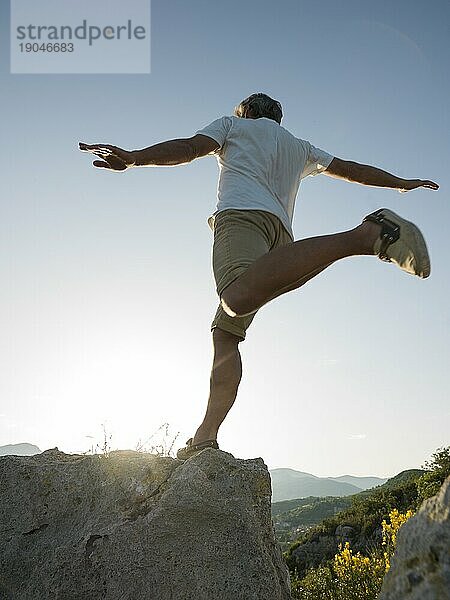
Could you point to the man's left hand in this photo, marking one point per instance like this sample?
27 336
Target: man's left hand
412 184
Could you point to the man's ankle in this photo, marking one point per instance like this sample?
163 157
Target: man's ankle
368 233
201 435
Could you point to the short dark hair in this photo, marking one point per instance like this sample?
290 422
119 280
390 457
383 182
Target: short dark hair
260 105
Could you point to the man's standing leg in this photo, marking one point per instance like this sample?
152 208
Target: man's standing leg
240 237
226 374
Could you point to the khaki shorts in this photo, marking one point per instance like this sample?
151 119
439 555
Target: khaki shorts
240 237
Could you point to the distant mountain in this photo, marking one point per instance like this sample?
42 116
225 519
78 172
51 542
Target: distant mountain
365 483
19 450
289 484
398 480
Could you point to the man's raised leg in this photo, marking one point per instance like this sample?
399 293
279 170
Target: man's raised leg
224 382
288 267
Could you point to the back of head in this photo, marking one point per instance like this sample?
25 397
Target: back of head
259 105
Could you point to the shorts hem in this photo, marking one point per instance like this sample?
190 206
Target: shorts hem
228 327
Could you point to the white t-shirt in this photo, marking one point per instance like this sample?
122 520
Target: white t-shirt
261 165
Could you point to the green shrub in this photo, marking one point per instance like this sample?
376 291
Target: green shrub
438 469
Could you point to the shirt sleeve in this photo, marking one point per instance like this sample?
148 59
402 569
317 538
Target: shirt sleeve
217 130
316 162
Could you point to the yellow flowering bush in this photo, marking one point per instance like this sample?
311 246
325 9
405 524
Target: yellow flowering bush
358 577
353 576
390 531
346 564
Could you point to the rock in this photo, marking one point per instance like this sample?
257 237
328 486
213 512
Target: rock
420 568
313 552
134 526
344 533
321 544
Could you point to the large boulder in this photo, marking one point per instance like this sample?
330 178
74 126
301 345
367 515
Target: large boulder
134 526
420 568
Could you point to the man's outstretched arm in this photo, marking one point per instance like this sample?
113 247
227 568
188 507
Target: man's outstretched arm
367 175
165 154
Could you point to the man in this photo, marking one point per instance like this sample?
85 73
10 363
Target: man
255 258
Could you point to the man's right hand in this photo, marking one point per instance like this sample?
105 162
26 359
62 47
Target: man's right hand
114 158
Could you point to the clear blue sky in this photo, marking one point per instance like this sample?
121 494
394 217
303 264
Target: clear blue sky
107 291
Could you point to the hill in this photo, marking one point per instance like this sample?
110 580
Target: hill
359 522
291 518
364 483
289 484
19 450
294 518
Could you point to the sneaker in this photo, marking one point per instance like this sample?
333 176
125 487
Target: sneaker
192 449
400 242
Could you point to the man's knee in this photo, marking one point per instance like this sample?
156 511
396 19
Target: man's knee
235 302
229 305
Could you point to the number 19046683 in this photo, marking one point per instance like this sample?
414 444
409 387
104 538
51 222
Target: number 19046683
48 47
